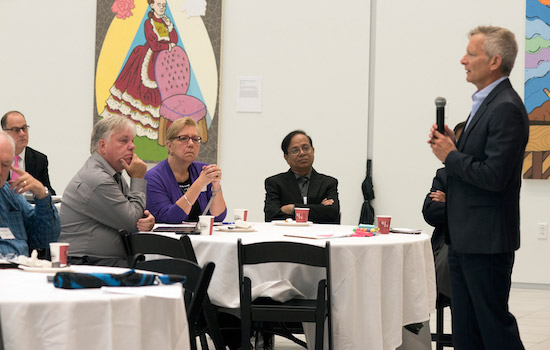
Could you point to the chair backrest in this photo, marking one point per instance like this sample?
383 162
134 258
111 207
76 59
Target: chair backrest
172 72
137 244
188 250
266 310
284 251
209 312
196 283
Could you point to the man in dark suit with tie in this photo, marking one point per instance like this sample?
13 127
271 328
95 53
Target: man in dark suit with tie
32 161
301 186
483 186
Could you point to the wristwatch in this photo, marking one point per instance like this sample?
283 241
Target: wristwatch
46 190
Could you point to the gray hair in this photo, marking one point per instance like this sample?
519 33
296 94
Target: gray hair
499 41
106 126
5 135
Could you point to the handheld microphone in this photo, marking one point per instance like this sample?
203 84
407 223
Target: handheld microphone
440 114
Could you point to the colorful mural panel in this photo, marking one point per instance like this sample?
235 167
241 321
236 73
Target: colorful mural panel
157 61
536 164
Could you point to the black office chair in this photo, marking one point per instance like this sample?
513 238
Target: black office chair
294 310
440 338
196 286
136 245
228 327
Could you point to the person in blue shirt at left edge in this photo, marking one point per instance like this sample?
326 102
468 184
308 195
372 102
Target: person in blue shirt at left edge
23 227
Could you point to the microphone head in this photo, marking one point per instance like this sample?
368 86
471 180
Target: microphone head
440 101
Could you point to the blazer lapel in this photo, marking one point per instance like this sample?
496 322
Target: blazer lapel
292 186
481 111
30 161
314 184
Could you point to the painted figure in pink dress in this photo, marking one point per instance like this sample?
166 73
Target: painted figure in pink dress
135 93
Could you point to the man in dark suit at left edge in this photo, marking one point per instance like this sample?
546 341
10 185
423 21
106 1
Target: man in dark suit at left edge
31 161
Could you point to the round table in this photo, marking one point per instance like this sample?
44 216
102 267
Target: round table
379 284
36 315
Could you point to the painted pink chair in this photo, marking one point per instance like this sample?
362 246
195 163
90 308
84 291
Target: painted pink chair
172 73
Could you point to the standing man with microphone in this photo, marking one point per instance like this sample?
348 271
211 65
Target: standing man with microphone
483 185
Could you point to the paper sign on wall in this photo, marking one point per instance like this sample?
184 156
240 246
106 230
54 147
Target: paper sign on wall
249 94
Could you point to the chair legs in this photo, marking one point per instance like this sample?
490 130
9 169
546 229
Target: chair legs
213 326
1 339
439 337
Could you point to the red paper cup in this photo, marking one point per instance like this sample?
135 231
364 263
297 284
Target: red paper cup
240 214
59 252
206 223
301 214
384 223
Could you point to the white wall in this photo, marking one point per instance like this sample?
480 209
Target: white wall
313 57
47 72
418 49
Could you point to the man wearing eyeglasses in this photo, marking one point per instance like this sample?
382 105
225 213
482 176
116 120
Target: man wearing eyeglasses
98 202
301 186
26 158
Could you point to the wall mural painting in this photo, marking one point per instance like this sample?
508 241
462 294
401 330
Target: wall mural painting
536 163
158 61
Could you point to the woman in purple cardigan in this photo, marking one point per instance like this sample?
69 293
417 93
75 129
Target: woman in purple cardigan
179 188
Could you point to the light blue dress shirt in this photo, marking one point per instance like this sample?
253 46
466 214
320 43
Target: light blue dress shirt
479 96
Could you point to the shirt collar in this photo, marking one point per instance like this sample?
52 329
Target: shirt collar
480 95
22 156
108 168
308 175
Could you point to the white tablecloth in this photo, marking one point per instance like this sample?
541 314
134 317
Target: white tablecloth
36 315
379 283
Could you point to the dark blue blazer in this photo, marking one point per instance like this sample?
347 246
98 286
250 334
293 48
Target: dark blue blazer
435 214
484 176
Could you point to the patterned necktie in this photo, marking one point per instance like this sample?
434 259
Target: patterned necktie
16 159
118 181
303 182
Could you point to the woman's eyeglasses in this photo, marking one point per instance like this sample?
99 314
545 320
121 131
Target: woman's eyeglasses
184 139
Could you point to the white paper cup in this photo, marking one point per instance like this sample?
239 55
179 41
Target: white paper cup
240 214
206 223
301 214
384 223
59 252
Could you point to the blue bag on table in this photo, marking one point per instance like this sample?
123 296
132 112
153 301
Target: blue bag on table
76 280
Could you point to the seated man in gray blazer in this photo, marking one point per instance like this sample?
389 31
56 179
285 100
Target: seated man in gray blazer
98 201
301 186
